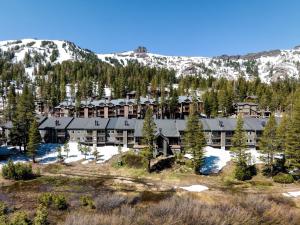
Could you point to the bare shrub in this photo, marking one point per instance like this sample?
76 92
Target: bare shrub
107 203
236 209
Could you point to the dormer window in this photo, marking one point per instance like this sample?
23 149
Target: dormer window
126 123
57 123
221 124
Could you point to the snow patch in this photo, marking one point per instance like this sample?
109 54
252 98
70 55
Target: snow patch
292 194
47 154
215 158
195 188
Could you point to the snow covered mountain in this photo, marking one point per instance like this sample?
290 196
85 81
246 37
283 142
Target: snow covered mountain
31 52
269 65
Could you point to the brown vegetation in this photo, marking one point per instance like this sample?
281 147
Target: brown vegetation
248 209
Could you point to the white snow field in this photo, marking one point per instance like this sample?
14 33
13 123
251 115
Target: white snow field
215 159
282 62
292 194
195 188
47 154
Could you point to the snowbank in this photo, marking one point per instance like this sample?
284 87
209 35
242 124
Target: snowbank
255 156
292 194
105 153
47 153
195 188
215 158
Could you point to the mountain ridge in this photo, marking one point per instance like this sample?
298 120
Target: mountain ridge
267 65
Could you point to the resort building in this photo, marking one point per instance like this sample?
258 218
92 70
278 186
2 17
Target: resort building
129 132
128 108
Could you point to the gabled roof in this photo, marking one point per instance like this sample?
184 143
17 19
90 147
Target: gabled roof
181 125
40 119
119 101
121 123
88 124
7 125
56 122
168 128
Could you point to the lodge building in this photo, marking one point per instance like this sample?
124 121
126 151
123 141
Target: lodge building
123 131
128 108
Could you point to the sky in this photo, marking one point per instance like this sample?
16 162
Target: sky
170 27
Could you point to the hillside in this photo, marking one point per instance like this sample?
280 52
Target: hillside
269 65
32 52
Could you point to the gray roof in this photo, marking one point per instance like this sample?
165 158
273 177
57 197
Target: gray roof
40 119
180 124
56 122
229 124
8 125
168 128
88 124
120 101
121 123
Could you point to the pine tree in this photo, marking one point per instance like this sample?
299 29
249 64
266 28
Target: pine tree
268 143
95 153
293 137
194 140
239 142
67 148
85 150
281 141
281 135
149 128
34 140
173 103
41 216
24 115
59 154
10 109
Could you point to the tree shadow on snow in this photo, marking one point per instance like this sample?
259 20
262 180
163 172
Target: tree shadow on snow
210 165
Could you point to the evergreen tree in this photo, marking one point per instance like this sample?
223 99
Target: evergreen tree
59 154
194 140
293 137
85 150
95 153
239 142
67 148
41 216
24 115
10 109
34 140
268 143
100 90
173 103
281 134
149 128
